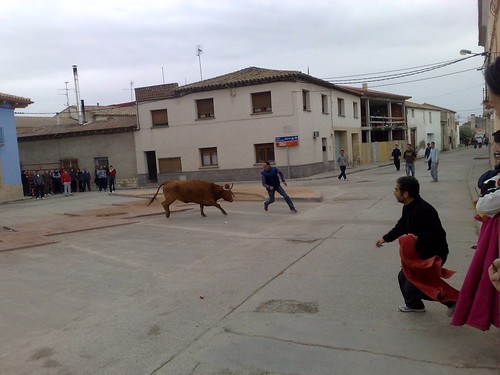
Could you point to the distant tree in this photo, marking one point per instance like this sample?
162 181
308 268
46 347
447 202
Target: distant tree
465 133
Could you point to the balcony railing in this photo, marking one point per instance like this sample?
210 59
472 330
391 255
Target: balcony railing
384 121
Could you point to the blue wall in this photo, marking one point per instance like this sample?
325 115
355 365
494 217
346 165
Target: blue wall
9 151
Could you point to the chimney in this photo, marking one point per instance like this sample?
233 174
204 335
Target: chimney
365 86
77 90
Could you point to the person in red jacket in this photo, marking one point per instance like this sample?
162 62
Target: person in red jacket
111 179
66 181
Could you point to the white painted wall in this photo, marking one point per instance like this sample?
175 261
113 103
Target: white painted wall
428 126
235 129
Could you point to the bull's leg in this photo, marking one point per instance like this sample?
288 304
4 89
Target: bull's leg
220 208
166 205
201 210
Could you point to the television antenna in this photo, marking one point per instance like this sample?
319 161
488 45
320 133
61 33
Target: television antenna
66 93
131 90
199 51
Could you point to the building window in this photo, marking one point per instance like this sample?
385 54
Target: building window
205 108
341 106
159 117
355 109
430 117
306 100
209 156
264 152
170 165
324 103
261 102
97 162
413 113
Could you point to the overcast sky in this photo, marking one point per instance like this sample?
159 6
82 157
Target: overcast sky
116 42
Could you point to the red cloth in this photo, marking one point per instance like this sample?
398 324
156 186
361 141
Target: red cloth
478 303
426 274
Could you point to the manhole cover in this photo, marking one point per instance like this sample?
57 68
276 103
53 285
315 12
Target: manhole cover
112 214
288 307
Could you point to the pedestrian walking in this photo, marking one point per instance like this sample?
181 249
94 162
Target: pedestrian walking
396 155
423 250
409 156
341 161
427 154
271 181
434 156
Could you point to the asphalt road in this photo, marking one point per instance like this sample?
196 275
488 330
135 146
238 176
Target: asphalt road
251 293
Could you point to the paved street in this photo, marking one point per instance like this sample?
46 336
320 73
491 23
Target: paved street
283 294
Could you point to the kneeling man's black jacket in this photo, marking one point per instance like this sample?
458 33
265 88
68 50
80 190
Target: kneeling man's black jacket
422 220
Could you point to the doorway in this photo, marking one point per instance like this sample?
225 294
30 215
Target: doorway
151 164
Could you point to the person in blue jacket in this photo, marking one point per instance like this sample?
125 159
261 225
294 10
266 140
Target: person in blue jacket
271 181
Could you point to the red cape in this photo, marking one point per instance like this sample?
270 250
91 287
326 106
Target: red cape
426 274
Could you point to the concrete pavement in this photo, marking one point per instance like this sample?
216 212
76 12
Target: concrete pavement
284 293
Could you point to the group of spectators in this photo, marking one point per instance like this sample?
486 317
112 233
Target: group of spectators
41 183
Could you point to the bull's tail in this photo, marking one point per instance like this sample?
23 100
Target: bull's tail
154 197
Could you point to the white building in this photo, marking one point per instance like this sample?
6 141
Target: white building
424 126
222 129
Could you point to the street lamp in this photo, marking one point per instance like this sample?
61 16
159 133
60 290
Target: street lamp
469 52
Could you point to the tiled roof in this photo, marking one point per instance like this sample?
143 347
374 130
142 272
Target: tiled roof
116 125
428 107
155 92
32 121
254 76
439 108
125 109
376 94
16 101
421 106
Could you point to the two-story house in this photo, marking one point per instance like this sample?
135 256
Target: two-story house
10 172
424 122
224 128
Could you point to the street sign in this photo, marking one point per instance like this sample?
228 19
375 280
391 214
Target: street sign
292 140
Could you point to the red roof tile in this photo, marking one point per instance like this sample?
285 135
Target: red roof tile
16 101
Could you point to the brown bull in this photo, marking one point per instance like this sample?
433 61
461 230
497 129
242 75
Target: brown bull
197 191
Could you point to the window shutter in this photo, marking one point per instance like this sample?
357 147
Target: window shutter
160 117
261 101
205 108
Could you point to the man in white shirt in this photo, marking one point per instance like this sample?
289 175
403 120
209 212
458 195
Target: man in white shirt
434 158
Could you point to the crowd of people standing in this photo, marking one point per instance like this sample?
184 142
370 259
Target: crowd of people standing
41 183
